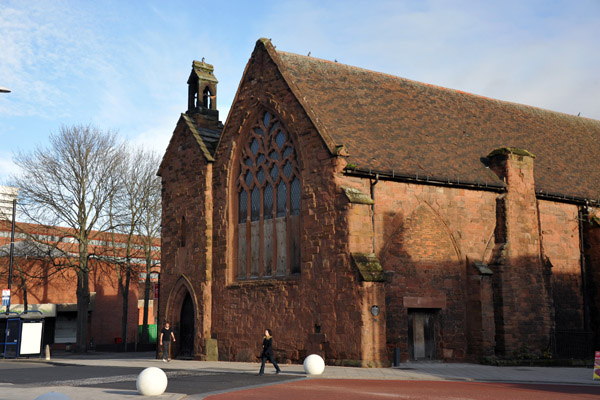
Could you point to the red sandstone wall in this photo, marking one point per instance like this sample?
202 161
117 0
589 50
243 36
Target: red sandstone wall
592 259
423 234
561 245
184 174
325 297
522 289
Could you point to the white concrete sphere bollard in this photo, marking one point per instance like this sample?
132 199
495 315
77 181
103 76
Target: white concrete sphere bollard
151 382
314 365
53 396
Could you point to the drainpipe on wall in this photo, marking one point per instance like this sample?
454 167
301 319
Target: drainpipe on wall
373 183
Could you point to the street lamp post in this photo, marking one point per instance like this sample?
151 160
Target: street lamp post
157 308
12 249
12 232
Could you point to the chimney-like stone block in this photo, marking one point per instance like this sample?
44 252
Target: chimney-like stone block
523 316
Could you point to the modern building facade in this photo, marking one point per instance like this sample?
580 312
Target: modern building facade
41 283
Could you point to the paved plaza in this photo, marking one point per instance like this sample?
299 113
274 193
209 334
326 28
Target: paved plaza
122 385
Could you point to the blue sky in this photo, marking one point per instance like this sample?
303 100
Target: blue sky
123 65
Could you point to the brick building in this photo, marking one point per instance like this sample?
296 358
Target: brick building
371 218
51 289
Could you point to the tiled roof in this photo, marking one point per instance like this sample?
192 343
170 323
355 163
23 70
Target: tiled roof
408 128
206 138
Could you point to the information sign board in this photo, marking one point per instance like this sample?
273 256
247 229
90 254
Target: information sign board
5 297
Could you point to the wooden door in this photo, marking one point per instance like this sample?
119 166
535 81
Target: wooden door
421 334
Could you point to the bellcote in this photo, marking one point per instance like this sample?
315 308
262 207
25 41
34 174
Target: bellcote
202 95
202 87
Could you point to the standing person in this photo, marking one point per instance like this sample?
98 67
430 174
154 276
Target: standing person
166 334
267 352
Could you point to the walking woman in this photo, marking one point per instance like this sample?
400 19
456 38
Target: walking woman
267 352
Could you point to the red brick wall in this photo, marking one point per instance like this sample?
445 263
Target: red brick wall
108 311
60 288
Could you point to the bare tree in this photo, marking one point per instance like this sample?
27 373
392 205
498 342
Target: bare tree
132 214
148 230
69 184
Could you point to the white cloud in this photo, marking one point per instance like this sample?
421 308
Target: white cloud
124 66
541 54
7 168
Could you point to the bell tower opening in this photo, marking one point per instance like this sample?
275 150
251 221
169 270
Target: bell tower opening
207 98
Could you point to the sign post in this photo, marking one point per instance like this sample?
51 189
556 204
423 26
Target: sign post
597 366
6 298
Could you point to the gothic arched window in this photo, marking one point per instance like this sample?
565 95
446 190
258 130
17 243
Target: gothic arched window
268 203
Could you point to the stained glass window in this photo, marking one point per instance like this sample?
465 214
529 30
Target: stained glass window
295 197
269 192
268 202
243 207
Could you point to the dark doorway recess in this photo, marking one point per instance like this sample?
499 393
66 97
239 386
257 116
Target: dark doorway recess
186 328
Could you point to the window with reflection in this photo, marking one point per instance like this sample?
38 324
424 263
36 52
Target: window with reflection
268 203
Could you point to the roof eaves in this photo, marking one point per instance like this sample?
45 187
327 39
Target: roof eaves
494 184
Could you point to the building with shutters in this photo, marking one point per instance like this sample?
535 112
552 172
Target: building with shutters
372 219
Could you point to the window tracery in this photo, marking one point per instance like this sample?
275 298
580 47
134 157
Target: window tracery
269 192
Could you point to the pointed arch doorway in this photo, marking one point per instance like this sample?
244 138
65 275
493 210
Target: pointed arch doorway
182 309
186 328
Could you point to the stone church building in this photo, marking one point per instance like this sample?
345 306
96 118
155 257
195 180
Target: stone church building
372 219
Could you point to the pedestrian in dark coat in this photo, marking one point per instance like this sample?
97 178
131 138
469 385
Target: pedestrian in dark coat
166 334
267 353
